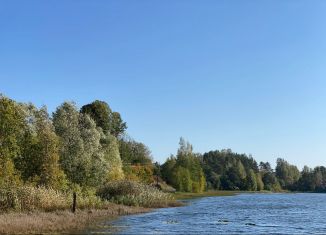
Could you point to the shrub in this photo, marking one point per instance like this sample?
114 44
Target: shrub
134 194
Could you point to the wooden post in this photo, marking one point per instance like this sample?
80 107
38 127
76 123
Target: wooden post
74 197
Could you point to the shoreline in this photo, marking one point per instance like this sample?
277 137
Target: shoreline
38 222
215 193
65 221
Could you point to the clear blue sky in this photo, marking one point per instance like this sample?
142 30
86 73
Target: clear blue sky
246 75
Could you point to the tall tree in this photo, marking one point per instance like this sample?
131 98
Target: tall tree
48 145
12 127
251 181
66 123
287 174
111 154
133 152
110 122
187 172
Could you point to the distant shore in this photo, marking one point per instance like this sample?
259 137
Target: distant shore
215 193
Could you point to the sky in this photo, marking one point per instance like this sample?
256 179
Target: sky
246 75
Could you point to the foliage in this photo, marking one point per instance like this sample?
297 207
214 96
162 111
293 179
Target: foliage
110 122
184 172
111 155
72 158
260 183
134 194
287 174
252 181
139 173
12 127
226 170
89 157
133 152
39 159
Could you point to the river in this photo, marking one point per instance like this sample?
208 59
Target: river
241 214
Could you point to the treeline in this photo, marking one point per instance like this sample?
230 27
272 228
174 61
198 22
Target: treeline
72 148
226 170
87 147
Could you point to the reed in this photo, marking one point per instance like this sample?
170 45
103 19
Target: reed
29 198
135 194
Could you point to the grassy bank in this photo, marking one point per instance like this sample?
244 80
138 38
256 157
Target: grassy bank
37 210
64 221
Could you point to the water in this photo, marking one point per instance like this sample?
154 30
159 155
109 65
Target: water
244 213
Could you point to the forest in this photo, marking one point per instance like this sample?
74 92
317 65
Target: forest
226 170
83 149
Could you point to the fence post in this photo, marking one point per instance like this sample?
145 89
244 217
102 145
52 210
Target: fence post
74 197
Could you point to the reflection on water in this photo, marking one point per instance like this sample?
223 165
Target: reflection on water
244 213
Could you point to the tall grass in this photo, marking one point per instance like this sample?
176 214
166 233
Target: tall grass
135 194
28 198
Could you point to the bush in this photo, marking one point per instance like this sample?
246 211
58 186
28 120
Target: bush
134 194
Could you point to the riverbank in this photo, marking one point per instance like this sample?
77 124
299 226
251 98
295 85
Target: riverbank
61 221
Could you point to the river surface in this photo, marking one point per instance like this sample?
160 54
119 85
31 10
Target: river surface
241 214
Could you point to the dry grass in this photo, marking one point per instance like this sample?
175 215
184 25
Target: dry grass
38 210
28 198
60 221
135 194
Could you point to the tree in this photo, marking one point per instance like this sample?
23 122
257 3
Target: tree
183 179
12 127
110 122
227 170
133 152
252 181
306 181
100 112
287 174
118 125
110 148
185 172
167 170
39 159
265 167
50 173
88 155
66 123
260 183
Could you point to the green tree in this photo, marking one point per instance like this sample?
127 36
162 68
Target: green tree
186 173
306 181
66 123
12 126
287 174
183 179
48 145
133 152
167 170
252 181
260 183
110 148
118 126
110 122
